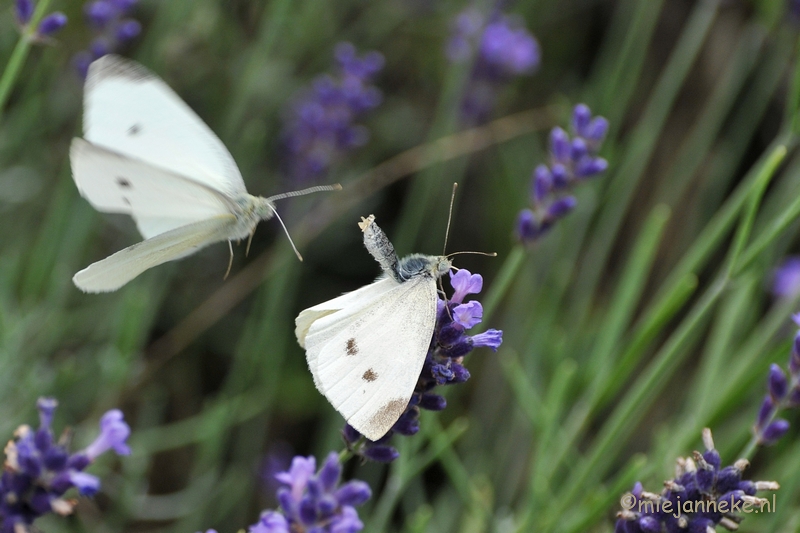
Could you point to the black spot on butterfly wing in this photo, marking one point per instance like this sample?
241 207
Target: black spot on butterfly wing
124 183
133 130
369 375
351 347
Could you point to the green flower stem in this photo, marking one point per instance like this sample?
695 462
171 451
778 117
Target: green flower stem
18 55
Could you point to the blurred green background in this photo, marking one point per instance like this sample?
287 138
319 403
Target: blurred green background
642 318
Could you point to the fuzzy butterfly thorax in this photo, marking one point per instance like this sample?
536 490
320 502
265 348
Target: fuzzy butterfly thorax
401 270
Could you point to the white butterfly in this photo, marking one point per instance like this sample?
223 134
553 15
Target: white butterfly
366 348
147 154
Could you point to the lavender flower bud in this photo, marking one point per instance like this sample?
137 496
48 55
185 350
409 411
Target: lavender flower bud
353 493
527 227
491 338
765 412
542 183
52 23
432 402
128 29
113 434
777 384
23 10
270 522
581 116
590 166
560 176
559 145
774 432
597 130
561 207
330 472
46 408
381 454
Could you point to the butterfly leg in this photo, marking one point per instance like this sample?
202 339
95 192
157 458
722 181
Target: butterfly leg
249 240
230 261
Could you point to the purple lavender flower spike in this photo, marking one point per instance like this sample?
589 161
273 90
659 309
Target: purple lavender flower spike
320 127
314 502
786 280
572 160
112 27
503 49
700 479
23 10
38 472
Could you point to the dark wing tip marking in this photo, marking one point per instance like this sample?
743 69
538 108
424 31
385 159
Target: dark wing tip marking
114 66
351 347
388 414
369 375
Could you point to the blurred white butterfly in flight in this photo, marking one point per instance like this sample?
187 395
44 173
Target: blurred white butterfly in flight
366 348
147 154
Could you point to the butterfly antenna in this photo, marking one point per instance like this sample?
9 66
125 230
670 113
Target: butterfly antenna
488 254
449 218
300 257
230 261
319 188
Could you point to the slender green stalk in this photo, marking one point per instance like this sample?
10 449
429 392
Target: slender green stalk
19 54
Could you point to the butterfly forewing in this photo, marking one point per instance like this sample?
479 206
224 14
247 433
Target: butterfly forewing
370 356
129 110
158 201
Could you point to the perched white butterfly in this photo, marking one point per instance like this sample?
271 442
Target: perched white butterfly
366 348
147 154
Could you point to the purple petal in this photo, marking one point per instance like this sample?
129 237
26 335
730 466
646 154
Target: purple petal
113 434
559 145
299 473
46 407
329 473
581 115
464 283
270 522
491 338
468 315
87 484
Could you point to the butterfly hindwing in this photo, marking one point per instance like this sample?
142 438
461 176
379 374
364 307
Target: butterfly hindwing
129 110
118 269
366 359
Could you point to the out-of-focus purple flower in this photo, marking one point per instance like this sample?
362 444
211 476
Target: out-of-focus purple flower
320 126
572 160
315 502
503 49
443 365
23 10
794 9
112 27
52 24
113 434
701 496
270 522
39 470
783 392
786 281
47 27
